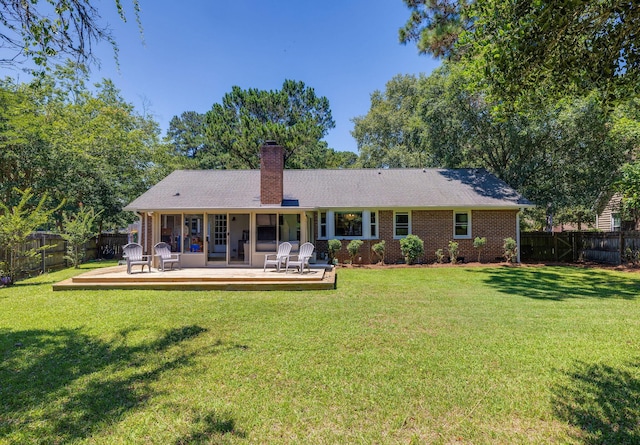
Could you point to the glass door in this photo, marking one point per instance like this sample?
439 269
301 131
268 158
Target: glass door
217 235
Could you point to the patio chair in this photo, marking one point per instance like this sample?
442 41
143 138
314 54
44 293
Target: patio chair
133 254
302 259
278 259
166 256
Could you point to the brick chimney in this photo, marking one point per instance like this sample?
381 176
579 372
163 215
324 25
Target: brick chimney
271 168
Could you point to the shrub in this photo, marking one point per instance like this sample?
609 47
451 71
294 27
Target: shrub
379 250
479 244
79 228
510 249
333 246
453 252
412 248
439 256
353 248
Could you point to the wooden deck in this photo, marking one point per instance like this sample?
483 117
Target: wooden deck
239 279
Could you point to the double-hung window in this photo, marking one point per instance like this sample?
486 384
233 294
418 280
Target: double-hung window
401 224
462 224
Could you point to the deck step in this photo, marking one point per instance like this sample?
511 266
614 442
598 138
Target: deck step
200 279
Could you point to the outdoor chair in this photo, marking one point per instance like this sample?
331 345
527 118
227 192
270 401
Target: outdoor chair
166 256
133 254
302 259
278 259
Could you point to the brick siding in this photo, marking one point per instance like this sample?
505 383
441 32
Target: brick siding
435 228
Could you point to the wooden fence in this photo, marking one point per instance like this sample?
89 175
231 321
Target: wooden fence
600 247
52 257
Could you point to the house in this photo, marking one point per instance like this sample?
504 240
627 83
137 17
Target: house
232 217
609 217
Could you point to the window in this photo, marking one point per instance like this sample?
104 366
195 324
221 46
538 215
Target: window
266 232
616 222
193 233
289 228
171 231
323 225
462 225
348 223
401 224
373 225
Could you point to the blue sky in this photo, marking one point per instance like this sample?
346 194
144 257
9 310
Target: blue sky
195 51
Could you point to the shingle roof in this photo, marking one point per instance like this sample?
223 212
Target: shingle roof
319 189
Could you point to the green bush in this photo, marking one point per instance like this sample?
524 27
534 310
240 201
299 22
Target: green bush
453 252
412 248
379 250
479 243
439 256
353 248
333 246
510 250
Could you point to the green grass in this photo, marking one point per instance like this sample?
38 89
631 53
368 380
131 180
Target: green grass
500 355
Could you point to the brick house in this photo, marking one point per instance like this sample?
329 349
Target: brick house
232 217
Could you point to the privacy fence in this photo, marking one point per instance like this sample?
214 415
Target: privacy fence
52 257
600 247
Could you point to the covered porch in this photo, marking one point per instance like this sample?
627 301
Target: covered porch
321 277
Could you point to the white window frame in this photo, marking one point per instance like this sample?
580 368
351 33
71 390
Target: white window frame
373 224
468 234
395 224
616 218
366 224
322 224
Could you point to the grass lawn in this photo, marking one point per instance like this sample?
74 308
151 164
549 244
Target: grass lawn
499 355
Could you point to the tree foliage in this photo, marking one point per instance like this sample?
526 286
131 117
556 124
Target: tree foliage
436 25
16 224
560 155
87 147
628 186
77 229
390 134
53 29
568 46
294 116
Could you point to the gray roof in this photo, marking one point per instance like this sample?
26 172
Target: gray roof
325 189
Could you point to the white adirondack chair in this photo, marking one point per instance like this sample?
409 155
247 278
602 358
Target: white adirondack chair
166 256
302 259
132 252
278 259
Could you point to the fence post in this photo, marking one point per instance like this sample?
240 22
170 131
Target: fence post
43 253
620 259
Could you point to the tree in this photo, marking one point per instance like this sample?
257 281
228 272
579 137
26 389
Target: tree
88 147
51 29
77 229
629 188
561 154
187 134
566 46
16 224
436 25
390 134
294 117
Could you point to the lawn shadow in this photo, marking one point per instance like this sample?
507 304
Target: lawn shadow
602 401
560 282
63 385
209 427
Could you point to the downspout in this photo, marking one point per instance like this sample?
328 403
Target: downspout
518 232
